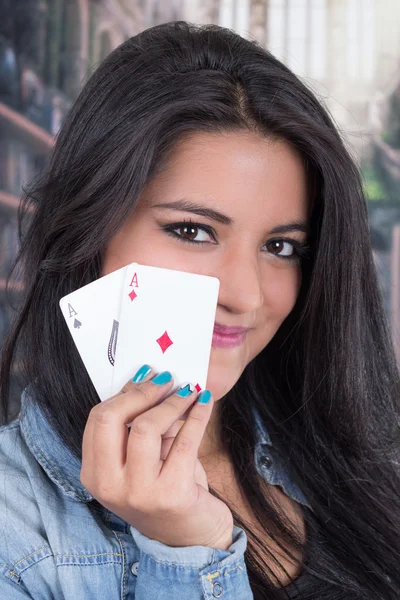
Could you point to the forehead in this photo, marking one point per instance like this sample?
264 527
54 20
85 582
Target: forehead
239 170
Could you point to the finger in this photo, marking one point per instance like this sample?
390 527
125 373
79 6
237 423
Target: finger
106 433
180 464
168 438
143 461
165 447
173 430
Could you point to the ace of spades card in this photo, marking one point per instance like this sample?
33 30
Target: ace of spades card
92 317
166 320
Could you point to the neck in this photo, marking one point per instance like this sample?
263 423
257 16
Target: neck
211 445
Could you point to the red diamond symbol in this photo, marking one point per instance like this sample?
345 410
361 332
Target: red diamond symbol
164 341
132 295
198 388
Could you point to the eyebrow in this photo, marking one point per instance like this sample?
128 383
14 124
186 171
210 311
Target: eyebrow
214 215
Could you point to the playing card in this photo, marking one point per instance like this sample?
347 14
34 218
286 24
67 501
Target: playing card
167 321
92 316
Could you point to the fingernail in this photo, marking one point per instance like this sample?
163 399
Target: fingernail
204 397
185 390
141 374
161 378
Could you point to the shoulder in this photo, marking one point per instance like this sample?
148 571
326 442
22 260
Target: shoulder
22 489
13 450
44 528
15 456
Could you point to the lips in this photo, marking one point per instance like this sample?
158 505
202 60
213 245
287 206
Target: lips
227 330
225 336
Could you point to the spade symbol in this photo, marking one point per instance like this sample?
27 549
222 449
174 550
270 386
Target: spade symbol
77 324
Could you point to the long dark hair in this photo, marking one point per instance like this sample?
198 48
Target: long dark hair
327 384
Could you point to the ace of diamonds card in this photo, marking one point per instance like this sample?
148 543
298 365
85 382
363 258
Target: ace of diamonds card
166 320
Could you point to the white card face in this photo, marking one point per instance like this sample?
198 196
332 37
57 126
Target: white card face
166 321
92 316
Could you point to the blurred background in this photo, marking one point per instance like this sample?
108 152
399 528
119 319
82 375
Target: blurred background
346 51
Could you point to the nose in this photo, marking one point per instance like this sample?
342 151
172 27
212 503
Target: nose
240 284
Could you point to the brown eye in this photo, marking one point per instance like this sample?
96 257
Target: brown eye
192 233
278 247
189 231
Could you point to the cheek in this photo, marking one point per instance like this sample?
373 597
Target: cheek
133 244
281 293
143 243
280 296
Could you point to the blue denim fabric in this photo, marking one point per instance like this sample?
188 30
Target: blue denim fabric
57 544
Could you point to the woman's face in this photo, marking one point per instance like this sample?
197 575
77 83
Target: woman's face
248 190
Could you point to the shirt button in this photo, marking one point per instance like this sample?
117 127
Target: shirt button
217 589
134 568
266 461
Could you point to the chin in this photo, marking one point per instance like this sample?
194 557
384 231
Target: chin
222 376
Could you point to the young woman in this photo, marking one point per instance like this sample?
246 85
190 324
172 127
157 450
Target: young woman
194 149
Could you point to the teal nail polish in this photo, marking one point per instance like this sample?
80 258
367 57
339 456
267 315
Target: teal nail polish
141 374
161 378
185 391
204 397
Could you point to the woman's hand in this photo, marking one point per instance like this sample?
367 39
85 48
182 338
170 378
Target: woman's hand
157 486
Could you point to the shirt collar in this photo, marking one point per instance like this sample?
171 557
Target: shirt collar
52 454
57 460
262 435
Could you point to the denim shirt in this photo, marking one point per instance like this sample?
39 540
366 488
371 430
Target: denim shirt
56 544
